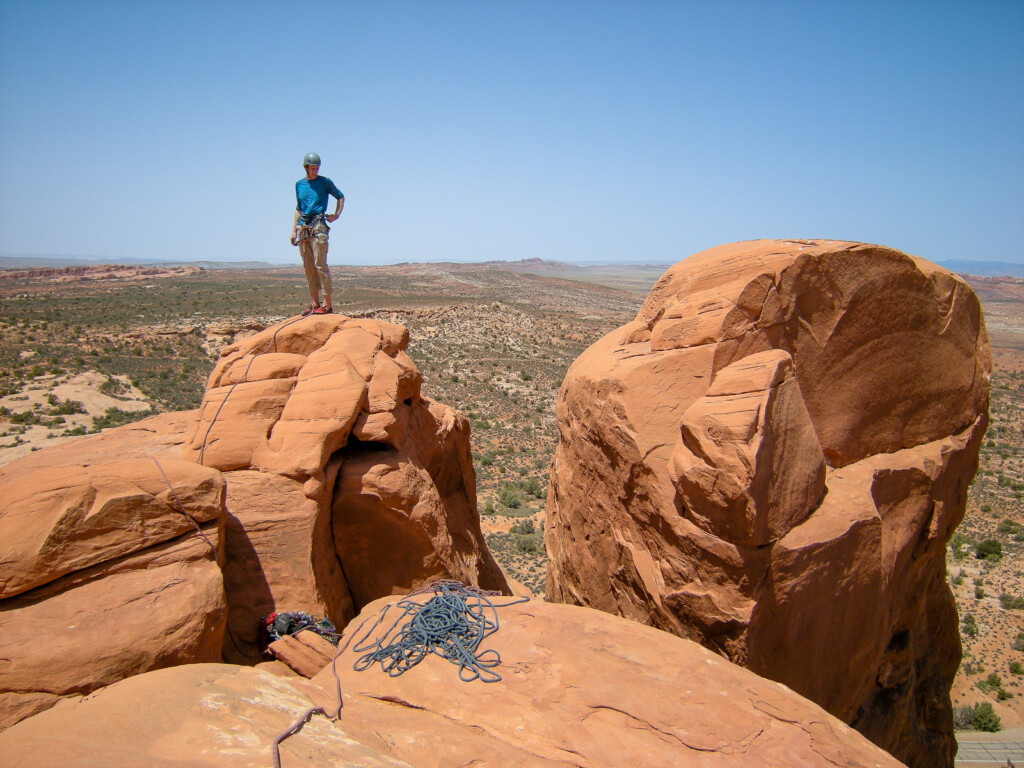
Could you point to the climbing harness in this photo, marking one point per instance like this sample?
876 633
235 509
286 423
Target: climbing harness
316 226
452 624
277 625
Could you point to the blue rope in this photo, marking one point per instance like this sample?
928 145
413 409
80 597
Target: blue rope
452 624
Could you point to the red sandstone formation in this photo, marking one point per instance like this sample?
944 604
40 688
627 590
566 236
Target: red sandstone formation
578 688
770 460
97 272
101 577
344 482
320 475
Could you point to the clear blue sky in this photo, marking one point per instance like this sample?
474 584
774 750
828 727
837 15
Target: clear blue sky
628 131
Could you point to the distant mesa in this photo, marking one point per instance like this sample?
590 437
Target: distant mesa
56 261
985 268
770 460
98 272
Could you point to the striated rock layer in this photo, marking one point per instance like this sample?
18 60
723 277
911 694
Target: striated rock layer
770 460
320 477
578 688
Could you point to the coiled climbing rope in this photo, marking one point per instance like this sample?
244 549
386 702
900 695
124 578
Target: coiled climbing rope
452 624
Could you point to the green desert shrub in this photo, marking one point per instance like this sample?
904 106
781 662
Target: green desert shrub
989 684
533 487
508 496
1010 526
959 544
988 548
67 408
980 717
1011 603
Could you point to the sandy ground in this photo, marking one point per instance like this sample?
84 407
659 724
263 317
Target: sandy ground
83 388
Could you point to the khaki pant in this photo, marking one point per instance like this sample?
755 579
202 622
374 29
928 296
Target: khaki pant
313 248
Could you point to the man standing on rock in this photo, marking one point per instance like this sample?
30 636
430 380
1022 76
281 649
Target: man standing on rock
309 231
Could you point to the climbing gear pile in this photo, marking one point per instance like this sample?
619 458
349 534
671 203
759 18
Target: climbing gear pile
452 624
277 625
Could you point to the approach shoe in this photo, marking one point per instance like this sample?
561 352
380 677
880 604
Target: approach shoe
322 310
310 309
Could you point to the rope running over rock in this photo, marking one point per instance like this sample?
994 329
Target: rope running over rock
213 552
182 510
272 344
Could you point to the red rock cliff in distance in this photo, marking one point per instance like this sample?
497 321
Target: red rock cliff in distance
770 460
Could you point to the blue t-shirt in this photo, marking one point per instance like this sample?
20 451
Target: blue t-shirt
311 196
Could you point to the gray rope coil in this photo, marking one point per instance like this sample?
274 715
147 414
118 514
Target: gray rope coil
452 624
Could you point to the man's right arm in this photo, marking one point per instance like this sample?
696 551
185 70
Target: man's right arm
295 228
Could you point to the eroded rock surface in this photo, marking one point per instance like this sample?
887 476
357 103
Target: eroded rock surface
578 688
102 576
198 715
319 475
770 459
403 517
345 483
284 400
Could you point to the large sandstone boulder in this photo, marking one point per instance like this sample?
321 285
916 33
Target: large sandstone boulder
578 688
407 516
215 715
344 482
320 477
102 576
770 459
285 399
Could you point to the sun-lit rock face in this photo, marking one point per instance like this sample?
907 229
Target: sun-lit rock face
344 482
770 459
285 399
578 687
318 474
102 575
